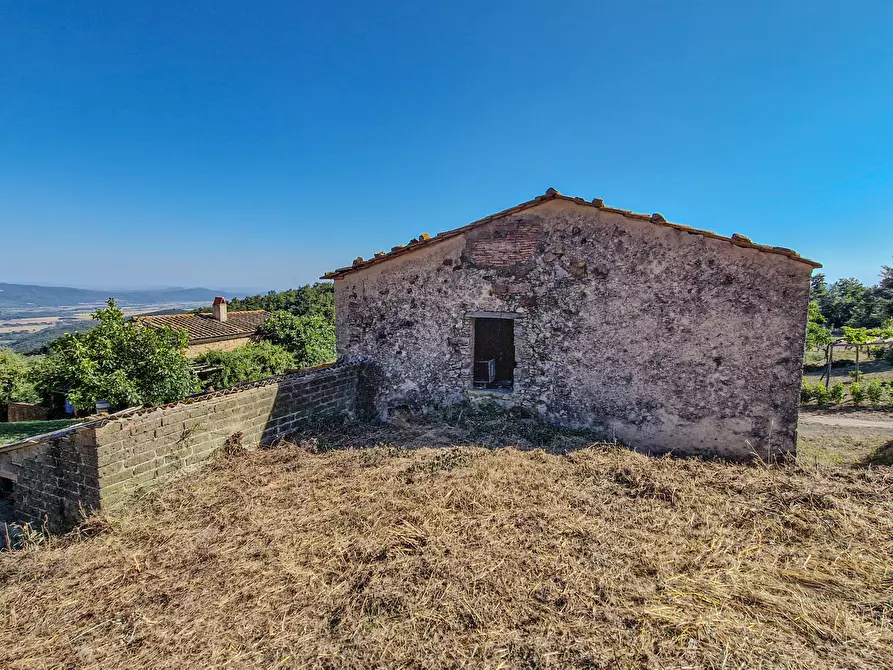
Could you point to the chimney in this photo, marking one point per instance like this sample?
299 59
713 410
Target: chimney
219 308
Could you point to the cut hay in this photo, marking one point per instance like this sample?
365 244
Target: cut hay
436 558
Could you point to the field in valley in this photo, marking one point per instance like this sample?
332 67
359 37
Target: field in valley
363 548
25 329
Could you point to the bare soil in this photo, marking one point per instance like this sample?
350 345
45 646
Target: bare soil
299 556
844 436
847 421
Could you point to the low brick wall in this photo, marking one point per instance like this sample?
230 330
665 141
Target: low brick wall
26 411
100 464
55 478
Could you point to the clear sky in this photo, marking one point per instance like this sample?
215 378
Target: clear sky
261 143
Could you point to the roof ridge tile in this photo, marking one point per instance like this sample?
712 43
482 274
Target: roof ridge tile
552 194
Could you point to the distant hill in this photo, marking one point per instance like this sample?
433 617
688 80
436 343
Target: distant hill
31 343
25 295
35 342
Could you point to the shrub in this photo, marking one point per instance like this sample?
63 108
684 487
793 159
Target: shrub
119 361
856 375
15 380
806 392
316 299
820 393
309 338
888 355
875 391
857 393
837 393
246 364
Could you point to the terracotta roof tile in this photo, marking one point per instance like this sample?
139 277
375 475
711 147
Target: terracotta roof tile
656 219
205 328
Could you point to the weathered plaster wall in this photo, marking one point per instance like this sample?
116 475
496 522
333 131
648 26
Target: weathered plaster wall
662 339
223 345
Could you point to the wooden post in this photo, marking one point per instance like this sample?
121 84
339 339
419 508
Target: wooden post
829 355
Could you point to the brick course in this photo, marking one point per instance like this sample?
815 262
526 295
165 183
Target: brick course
101 464
25 411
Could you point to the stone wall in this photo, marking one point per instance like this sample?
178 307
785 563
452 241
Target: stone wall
664 339
55 479
194 350
26 411
101 464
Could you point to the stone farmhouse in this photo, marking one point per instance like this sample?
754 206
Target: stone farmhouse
219 331
661 336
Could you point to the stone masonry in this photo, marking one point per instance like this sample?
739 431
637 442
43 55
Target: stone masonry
663 337
25 411
100 464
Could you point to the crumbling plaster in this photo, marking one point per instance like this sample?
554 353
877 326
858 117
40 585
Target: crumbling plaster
662 339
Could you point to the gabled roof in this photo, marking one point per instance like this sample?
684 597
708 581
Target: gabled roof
424 239
203 328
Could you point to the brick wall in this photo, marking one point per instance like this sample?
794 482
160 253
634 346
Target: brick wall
25 411
54 479
506 244
101 464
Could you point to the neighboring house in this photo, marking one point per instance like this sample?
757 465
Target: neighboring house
662 336
219 331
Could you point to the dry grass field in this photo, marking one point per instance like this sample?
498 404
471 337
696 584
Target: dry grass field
388 556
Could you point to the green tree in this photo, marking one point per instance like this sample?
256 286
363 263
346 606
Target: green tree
121 362
857 337
847 297
817 336
15 380
246 364
885 292
818 293
310 338
848 302
317 299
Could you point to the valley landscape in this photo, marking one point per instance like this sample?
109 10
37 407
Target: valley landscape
33 316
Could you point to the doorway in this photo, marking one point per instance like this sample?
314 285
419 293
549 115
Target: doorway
494 353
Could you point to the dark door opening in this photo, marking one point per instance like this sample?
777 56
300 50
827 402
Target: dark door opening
494 353
6 508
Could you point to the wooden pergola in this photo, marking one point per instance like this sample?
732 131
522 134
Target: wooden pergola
843 344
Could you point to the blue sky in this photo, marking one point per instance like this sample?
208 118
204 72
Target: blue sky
261 143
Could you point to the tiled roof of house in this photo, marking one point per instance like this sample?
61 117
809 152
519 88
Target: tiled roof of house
425 239
205 328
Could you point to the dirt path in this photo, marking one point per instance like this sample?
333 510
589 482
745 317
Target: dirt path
832 420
